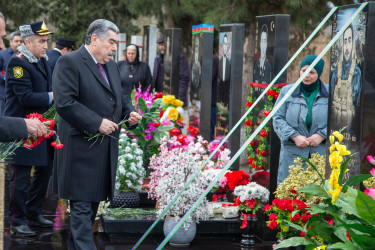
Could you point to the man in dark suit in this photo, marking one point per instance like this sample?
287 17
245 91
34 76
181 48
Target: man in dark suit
63 46
12 128
28 90
89 99
224 62
15 40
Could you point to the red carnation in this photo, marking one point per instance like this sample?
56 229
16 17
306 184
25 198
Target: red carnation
305 218
272 217
250 160
181 138
273 225
267 207
174 132
251 203
295 217
263 133
193 131
289 207
57 144
248 104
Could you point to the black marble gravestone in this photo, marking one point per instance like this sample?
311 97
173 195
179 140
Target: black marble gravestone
231 41
201 78
171 64
271 55
149 45
352 85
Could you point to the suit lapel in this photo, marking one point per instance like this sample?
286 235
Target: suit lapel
111 73
93 68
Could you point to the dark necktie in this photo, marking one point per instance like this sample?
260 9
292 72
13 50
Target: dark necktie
102 71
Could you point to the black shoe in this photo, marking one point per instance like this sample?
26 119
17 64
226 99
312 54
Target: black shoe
41 222
23 230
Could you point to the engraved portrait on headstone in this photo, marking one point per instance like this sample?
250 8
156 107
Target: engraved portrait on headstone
225 56
196 69
347 57
262 66
145 48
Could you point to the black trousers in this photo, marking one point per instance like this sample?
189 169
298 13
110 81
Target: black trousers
24 201
82 217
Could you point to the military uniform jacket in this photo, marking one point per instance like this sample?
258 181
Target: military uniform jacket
28 81
84 170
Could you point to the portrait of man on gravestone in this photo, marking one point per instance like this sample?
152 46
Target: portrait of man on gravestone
262 67
224 61
196 70
346 84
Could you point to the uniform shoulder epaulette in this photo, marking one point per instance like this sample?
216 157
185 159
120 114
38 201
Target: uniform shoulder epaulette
19 55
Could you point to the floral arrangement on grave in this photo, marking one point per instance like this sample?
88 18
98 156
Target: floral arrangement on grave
259 148
249 198
370 183
130 170
7 149
151 128
345 218
284 215
300 176
172 168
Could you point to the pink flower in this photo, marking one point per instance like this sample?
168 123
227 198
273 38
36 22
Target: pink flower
373 172
371 159
166 122
370 192
223 181
149 137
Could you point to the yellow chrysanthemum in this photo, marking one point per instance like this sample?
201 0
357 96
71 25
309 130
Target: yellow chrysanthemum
334 178
331 139
335 159
342 149
335 193
180 118
338 135
173 114
168 99
332 148
177 103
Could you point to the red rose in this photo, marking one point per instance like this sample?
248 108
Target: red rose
301 205
265 113
257 151
267 207
263 153
248 104
289 207
305 218
272 217
253 165
295 217
263 133
193 131
251 203
250 160
248 123
252 143
158 95
273 225
276 96
282 205
275 202
251 84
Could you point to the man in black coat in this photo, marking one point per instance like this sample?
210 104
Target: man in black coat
63 46
89 99
28 90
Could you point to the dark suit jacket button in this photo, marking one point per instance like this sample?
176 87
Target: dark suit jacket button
110 99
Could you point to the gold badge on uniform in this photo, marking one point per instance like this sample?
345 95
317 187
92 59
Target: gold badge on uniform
18 72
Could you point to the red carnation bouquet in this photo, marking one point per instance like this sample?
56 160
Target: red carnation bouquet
236 178
282 214
34 141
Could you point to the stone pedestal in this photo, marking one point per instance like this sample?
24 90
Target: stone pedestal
149 45
172 61
138 40
271 55
231 42
201 78
121 47
352 85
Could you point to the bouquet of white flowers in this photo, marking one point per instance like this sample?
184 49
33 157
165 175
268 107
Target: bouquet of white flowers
130 170
250 195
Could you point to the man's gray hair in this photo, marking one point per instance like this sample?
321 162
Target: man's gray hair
13 34
100 27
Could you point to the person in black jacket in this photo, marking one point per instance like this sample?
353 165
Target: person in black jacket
28 89
63 46
134 72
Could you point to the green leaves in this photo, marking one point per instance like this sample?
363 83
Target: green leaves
313 166
355 180
314 190
142 104
295 241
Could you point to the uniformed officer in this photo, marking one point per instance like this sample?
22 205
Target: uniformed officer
28 90
63 46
